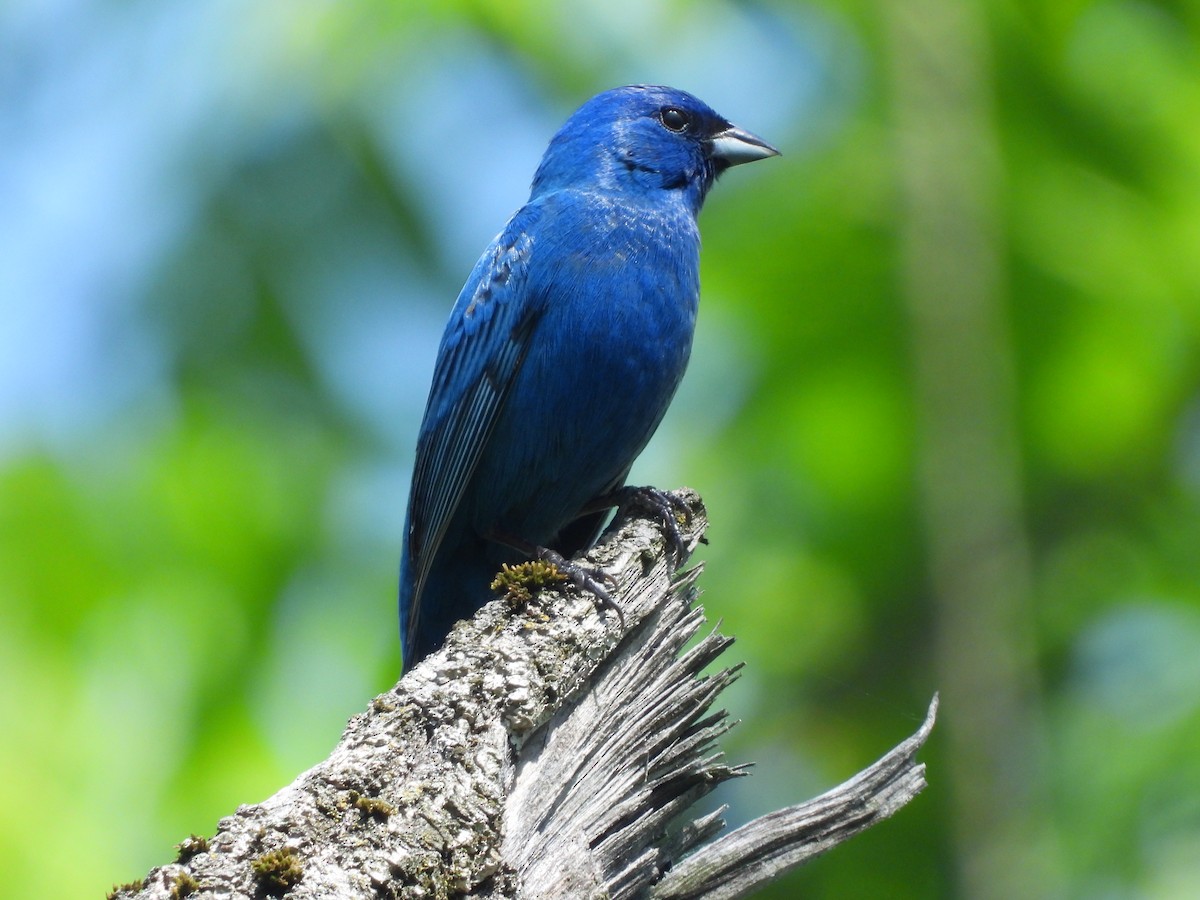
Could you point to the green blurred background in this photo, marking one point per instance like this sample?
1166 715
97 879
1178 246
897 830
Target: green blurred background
943 404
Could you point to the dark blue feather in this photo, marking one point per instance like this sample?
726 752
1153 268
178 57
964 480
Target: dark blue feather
563 349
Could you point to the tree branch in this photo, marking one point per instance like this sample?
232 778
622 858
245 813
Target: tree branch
548 750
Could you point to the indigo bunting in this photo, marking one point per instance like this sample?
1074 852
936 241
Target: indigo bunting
562 352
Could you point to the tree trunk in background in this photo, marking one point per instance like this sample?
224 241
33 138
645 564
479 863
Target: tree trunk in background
969 468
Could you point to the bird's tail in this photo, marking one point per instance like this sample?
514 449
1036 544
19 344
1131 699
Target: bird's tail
458 584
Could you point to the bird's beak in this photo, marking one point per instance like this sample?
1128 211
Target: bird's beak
733 146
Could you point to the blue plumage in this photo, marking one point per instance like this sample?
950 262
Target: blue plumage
563 349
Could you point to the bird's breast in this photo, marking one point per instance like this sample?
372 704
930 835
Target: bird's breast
619 300
628 300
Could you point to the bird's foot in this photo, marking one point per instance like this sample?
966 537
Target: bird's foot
588 578
671 511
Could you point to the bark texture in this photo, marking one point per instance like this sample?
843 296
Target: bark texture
549 750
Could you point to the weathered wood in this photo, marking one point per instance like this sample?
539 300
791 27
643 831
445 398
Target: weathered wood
550 749
746 859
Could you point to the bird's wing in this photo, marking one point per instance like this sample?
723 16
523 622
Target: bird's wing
481 352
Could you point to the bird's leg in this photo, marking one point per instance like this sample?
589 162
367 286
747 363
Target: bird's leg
587 578
663 504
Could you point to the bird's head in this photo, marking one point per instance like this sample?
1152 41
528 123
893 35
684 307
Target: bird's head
646 138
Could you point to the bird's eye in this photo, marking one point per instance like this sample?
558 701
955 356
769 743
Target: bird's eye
675 118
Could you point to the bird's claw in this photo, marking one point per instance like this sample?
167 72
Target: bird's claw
588 578
669 508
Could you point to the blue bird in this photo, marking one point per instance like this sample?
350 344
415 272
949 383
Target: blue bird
562 352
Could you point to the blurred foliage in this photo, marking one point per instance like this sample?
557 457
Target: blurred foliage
233 236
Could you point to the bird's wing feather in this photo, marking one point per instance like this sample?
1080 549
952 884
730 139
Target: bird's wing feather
481 353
